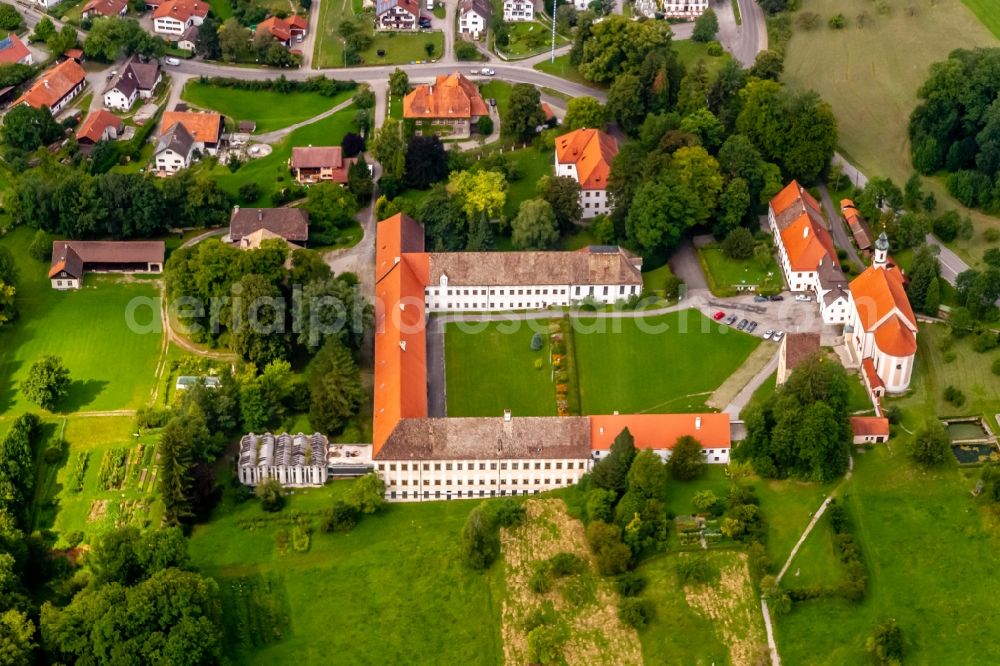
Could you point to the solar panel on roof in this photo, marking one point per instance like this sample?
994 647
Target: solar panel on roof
5 43
603 249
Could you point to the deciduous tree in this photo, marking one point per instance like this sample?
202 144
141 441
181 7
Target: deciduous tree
47 382
534 227
524 113
584 112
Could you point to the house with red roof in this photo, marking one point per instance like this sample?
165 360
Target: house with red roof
881 330
585 155
56 87
806 253
320 164
397 14
174 17
869 429
104 8
99 126
14 52
285 30
452 102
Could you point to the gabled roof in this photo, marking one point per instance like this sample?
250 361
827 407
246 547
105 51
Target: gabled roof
869 426
53 85
879 291
181 10
542 268
871 375
93 127
177 139
204 126
105 7
592 151
65 258
279 28
661 431
481 7
289 223
411 6
450 96
12 50
799 347
856 224
71 255
396 236
308 157
807 244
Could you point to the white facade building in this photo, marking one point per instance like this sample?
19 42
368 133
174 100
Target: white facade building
683 8
174 17
473 17
585 155
299 460
518 10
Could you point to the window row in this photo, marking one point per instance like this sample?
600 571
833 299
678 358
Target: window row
492 481
459 494
460 466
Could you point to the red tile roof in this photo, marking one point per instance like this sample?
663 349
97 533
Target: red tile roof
863 426
204 126
12 50
323 157
450 96
181 10
877 292
592 151
53 85
105 7
93 127
895 338
105 252
868 367
661 431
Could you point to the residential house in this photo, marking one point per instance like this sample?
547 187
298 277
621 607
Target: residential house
185 382
424 458
290 224
44 4
136 80
285 30
204 126
518 10
452 104
869 429
474 17
99 126
174 150
56 87
794 350
293 460
188 41
397 14
322 164
881 331
14 52
585 155
71 259
104 8
857 225
806 252
689 9
174 17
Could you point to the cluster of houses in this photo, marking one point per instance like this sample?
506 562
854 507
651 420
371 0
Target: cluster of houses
880 329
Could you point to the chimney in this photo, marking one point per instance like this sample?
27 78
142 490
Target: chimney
600 430
805 231
260 214
697 423
506 415
236 209
402 345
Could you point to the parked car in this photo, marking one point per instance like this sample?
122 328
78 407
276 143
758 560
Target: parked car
803 298
760 299
778 335
743 324
777 297
730 320
486 71
752 327
492 101
768 333
173 62
424 22
718 315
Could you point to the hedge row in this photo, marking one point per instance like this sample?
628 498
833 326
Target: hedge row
317 84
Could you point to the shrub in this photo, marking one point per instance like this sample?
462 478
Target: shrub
54 452
984 341
837 22
886 645
991 235
808 20
738 244
480 539
74 539
954 395
485 126
271 495
694 569
41 246
342 517
545 645
540 581
630 584
536 342
249 192
612 555
714 49
508 513
635 612
566 564
466 50
930 445
705 501
352 144
996 366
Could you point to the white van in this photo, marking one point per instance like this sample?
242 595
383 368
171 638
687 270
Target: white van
430 5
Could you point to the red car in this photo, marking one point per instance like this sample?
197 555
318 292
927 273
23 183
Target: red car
718 315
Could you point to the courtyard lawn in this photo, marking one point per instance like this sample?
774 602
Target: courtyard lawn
725 274
493 370
528 38
532 165
663 364
111 367
398 569
402 48
562 68
690 53
930 553
498 90
270 109
271 172
870 76
959 366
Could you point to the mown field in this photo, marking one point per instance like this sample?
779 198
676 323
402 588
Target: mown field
870 76
930 553
271 110
111 365
399 48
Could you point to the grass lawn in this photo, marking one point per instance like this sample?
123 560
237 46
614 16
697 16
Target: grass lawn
271 172
929 553
690 53
816 564
271 110
562 68
968 370
986 11
499 90
400 47
530 37
493 370
394 570
870 76
724 274
395 108
61 323
532 164
221 9
633 366
403 47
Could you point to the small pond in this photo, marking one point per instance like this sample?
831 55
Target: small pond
966 430
971 453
